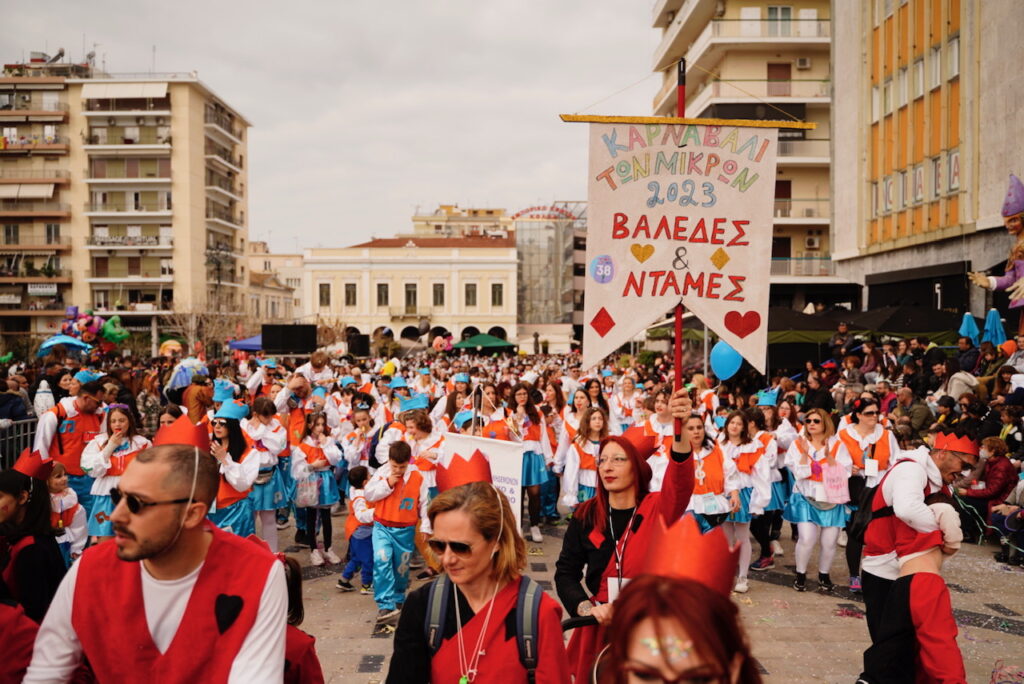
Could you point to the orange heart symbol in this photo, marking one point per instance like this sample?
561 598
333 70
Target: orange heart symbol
642 252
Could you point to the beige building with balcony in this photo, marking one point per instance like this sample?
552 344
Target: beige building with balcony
287 271
765 60
391 286
121 194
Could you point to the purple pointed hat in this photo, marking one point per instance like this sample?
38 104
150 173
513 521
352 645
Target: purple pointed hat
1014 202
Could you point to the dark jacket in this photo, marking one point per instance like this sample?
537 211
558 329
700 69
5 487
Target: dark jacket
999 476
968 359
12 406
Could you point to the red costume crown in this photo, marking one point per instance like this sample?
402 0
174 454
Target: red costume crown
183 431
950 441
682 551
643 444
461 470
33 464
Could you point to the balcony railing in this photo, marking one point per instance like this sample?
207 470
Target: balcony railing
137 307
135 104
145 137
802 208
33 207
225 155
26 272
803 266
141 207
224 122
771 28
804 148
26 240
14 174
222 183
20 105
222 215
803 88
409 311
131 241
35 140
124 275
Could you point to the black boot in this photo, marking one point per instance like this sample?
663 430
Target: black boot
800 584
825 582
1003 556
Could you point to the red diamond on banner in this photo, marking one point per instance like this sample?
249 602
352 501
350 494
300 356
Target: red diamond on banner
603 322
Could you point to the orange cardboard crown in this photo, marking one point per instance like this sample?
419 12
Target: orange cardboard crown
33 464
183 431
461 470
682 551
952 442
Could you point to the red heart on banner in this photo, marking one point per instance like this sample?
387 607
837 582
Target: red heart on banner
742 325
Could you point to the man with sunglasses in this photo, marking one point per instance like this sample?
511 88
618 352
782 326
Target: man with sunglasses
213 605
902 525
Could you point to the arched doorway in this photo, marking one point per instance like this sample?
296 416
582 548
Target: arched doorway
410 332
382 332
351 331
499 332
438 331
468 332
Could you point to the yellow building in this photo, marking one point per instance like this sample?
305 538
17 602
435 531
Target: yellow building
287 268
392 286
124 195
931 119
765 60
450 220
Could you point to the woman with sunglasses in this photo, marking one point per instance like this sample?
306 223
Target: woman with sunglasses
871 450
105 457
239 468
808 459
607 536
314 458
483 557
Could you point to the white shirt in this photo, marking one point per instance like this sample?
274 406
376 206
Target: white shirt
58 651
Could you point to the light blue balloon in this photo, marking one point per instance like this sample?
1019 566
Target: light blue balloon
725 360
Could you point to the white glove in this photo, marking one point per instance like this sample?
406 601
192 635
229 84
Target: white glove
1016 291
5 423
949 522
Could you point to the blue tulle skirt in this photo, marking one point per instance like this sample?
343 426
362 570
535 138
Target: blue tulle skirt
270 495
799 510
778 500
535 470
99 516
743 514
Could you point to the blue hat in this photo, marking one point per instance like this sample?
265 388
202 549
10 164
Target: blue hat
320 391
424 371
223 390
347 380
461 377
232 409
768 397
606 373
268 363
462 417
416 401
85 375
398 382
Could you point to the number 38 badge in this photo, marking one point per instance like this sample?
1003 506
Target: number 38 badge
602 269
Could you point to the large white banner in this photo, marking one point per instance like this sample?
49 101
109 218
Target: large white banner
505 459
679 212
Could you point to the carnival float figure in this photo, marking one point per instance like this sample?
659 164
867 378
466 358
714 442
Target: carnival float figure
1013 279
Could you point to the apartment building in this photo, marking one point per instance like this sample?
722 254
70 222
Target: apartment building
125 194
390 287
766 60
287 270
931 112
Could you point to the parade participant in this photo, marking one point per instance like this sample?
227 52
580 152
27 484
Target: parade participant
359 532
707 398
527 423
339 405
490 405
623 404
753 480
593 389
357 445
259 383
400 496
312 460
424 383
317 371
761 528
67 518
1013 220
192 602
197 398
295 402
301 664
18 635
456 628
64 430
715 484
105 457
571 413
269 439
31 564
899 514
607 536
676 622
579 481
872 450
239 467
816 517
168 414
660 426
426 447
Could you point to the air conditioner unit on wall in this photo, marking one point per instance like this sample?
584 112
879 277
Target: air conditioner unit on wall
803 63
812 243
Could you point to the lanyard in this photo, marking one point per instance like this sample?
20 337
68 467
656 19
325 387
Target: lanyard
619 546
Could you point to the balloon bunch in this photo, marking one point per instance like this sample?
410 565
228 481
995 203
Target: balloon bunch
93 329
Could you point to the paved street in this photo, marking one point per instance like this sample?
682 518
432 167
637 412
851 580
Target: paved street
796 637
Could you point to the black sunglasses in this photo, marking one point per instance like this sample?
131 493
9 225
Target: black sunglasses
813 420
219 422
136 505
438 546
869 413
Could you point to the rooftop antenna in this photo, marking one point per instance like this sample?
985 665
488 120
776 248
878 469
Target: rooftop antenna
152 68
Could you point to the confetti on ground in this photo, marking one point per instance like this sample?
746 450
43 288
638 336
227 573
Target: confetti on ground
780 604
535 551
848 612
747 601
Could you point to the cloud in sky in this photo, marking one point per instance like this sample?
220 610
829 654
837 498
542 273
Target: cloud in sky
364 111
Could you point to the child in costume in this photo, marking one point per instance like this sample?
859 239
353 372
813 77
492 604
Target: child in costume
66 515
359 532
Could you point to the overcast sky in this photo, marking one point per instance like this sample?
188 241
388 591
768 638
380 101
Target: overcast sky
364 111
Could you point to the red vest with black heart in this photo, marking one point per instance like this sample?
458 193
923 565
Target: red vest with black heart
109 617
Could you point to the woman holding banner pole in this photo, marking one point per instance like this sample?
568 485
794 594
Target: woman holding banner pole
604 544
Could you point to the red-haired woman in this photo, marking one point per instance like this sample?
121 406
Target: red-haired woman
676 630
608 534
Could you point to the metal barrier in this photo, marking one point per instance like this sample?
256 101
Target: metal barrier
15 439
